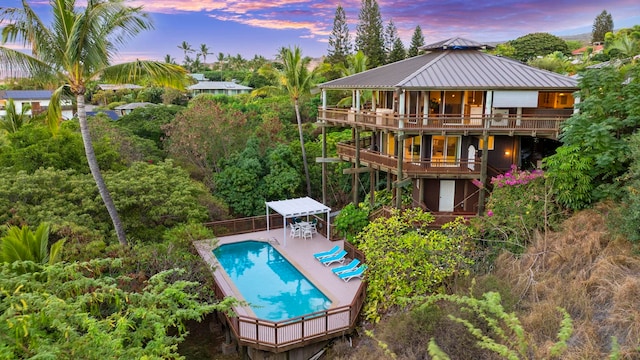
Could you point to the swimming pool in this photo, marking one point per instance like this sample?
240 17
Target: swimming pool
275 289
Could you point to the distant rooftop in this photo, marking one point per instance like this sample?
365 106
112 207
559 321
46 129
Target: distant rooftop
218 85
25 94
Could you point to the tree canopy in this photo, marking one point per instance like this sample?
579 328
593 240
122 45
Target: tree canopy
339 39
537 44
602 24
369 33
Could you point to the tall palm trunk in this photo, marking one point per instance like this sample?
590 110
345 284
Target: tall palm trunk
304 152
95 171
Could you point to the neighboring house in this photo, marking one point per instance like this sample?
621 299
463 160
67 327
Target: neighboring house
198 77
116 87
128 108
218 87
428 118
38 99
596 48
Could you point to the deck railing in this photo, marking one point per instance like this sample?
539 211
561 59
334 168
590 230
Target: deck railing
296 332
259 223
543 121
410 167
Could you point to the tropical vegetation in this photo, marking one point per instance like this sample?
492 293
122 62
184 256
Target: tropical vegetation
511 283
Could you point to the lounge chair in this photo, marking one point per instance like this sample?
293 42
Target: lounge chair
356 273
346 268
325 254
337 258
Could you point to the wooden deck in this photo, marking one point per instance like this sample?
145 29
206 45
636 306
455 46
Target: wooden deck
462 168
537 122
346 298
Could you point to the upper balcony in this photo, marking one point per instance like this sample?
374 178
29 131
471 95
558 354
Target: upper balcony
535 122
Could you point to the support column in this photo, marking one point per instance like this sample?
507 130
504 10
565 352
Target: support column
483 172
400 160
356 174
324 148
488 114
401 102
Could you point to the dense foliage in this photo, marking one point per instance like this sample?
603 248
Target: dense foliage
521 205
153 197
405 259
537 44
203 134
595 140
86 311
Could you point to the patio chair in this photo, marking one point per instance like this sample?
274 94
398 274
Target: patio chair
337 258
356 273
314 226
325 254
306 233
346 268
295 230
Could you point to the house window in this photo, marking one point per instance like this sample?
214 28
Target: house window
490 142
412 149
445 150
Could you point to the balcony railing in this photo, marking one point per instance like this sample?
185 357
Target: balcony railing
296 332
535 121
411 168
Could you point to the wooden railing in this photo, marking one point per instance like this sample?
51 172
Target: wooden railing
296 332
259 223
410 168
536 121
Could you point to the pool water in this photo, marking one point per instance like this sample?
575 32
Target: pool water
274 288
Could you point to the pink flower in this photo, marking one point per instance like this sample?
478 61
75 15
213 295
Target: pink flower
489 213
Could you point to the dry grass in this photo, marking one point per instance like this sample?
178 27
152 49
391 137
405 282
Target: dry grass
595 277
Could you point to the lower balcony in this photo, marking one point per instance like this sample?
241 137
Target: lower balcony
460 168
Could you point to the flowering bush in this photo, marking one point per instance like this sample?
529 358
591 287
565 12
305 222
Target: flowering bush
519 206
515 177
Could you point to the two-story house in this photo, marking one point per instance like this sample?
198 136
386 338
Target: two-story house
440 120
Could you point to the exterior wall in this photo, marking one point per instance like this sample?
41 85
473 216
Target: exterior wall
465 199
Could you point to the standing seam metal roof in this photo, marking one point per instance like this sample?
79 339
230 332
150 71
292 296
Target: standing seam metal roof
455 69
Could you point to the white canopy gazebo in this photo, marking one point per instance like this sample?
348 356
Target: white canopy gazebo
291 208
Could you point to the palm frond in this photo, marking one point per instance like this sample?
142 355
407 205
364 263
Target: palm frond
158 73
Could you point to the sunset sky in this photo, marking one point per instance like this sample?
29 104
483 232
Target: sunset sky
261 27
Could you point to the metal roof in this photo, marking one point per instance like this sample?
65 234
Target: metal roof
455 69
218 85
25 94
455 43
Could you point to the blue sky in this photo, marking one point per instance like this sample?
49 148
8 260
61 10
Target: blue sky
261 27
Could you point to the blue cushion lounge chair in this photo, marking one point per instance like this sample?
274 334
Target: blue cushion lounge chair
339 258
325 254
351 266
357 273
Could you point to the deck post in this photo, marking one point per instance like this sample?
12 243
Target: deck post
356 175
324 149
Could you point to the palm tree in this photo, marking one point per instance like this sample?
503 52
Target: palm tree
296 80
625 47
186 47
204 51
169 59
22 244
356 63
13 120
75 48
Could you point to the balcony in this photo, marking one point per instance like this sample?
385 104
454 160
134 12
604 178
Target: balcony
461 168
532 122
